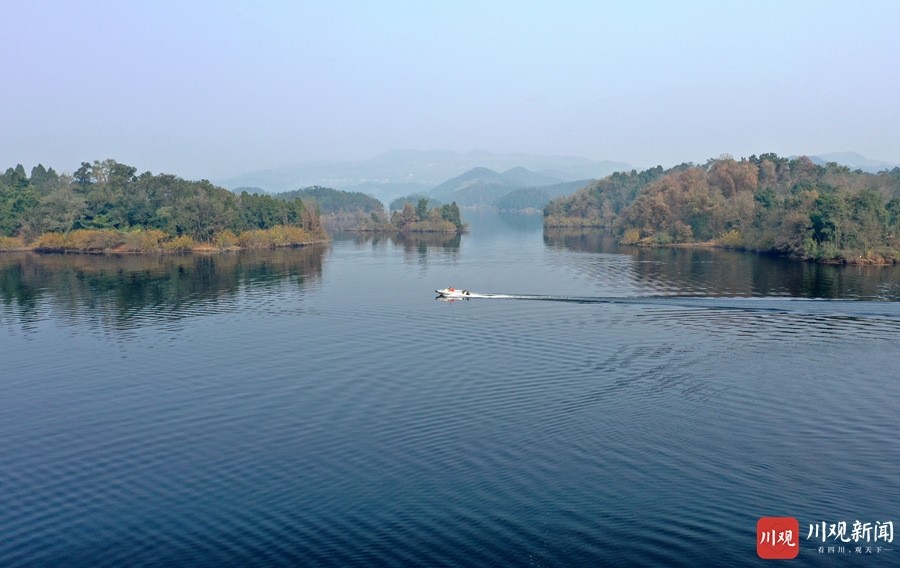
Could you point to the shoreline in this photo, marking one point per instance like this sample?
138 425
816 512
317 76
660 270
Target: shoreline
196 249
399 232
859 261
156 241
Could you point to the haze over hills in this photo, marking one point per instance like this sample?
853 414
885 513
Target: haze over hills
481 186
402 172
471 179
853 160
484 187
538 197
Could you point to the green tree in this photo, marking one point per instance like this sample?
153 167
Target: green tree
83 175
258 211
17 198
108 195
829 218
199 215
59 211
450 212
422 208
869 220
766 197
893 212
43 180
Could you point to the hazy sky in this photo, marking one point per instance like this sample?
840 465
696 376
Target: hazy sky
215 88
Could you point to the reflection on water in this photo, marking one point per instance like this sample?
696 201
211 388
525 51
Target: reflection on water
421 242
121 289
521 222
488 224
716 272
324 410
411 242
580 240
416 247
408 241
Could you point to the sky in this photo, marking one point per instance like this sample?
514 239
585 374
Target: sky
210 89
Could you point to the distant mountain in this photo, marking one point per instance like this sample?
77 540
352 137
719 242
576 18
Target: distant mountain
566 189
852 160
482 186
413 199
525 198
330 200
526 178
401 172
538 197
388 190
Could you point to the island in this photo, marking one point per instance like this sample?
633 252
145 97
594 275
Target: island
354 211
769 204
106 206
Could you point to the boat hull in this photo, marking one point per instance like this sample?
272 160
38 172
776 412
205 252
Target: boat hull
452 293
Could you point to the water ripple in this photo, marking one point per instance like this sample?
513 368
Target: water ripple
300 415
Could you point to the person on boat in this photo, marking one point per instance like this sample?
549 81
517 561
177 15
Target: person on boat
452 289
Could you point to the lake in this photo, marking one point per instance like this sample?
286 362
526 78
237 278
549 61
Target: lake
320 407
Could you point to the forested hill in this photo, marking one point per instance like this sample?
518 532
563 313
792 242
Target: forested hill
764 203
329 200
109 195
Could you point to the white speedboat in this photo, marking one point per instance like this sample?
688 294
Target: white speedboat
453 293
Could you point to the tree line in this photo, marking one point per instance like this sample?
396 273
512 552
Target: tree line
117 287
764 203
108 195
421 218
356 211
328 200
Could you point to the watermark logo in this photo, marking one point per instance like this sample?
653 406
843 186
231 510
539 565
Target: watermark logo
779 538
776 538
856 538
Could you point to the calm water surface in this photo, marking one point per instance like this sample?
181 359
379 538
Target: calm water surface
319 407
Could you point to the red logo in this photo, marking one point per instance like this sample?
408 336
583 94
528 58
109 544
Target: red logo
777 538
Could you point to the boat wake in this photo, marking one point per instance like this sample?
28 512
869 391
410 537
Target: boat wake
811 306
